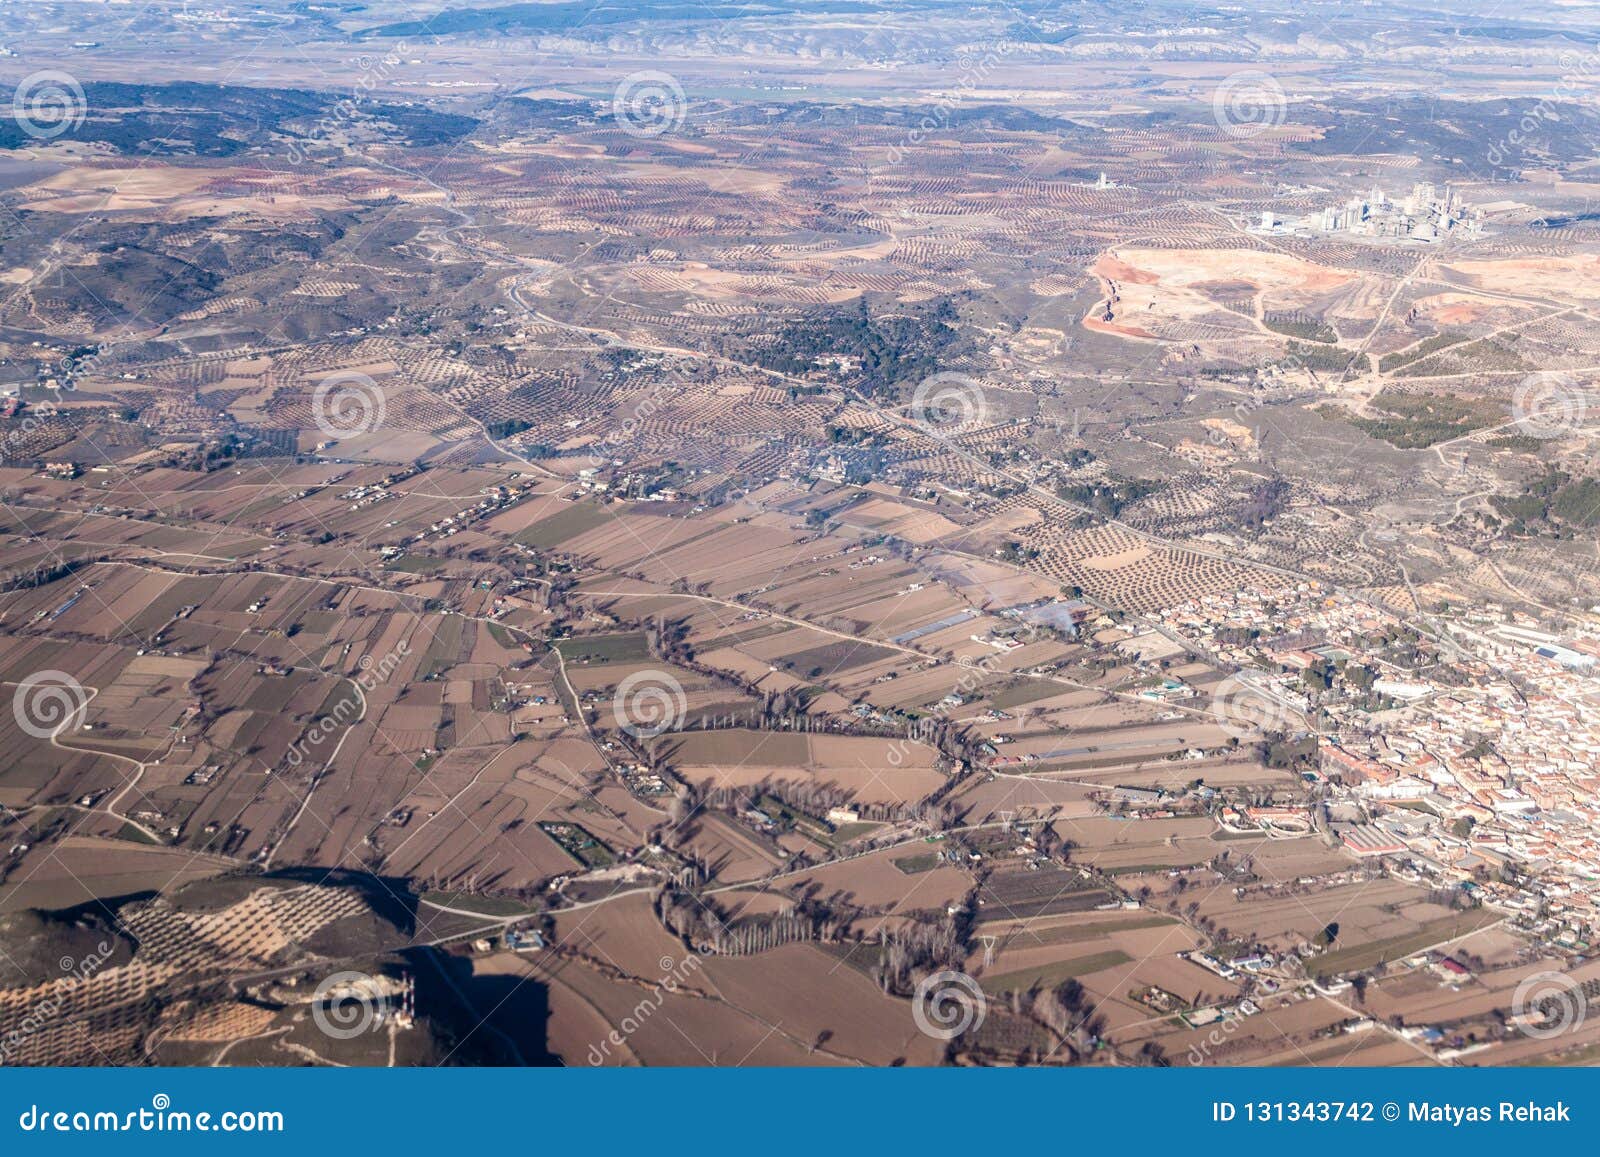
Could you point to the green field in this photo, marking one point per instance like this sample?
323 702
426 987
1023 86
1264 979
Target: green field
1583 1058
1302 326
471 902
569 523
1417 421
626 648
1432 345
133 834
580 844
1360 956
844 833
1140 869
916 865
1027 691
1036 936
415 564
1049 975
445 649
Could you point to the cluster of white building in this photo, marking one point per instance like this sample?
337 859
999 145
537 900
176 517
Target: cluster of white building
1428 213
1503 768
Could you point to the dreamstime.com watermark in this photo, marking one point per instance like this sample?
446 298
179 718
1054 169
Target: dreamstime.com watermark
648 703
347 403
974 68
1242 411
1575 70
646 406
649 103
71 367
1247 707
949 403
674 973
1249 103
1549 1004
921 731
46 702
947 1004
160 1117
347 1004
349 707
48 104
47 1008
1219 1035
1550 404
374 71
34 418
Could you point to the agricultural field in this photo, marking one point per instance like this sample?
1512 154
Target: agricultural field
671 566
